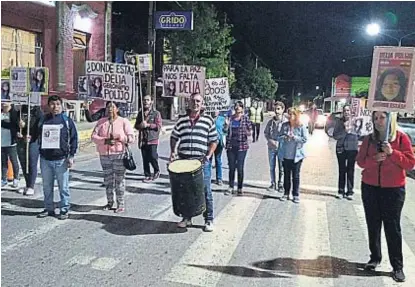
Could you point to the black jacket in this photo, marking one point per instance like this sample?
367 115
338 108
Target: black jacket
36 115
12 125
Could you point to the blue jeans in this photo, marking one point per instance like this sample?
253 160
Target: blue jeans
207 174
58 169
272 158
218 162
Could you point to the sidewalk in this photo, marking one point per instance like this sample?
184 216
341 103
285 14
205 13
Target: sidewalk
85 129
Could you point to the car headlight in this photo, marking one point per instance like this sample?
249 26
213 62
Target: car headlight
304 119
321 119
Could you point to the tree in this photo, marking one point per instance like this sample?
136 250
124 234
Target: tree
263 85
207 45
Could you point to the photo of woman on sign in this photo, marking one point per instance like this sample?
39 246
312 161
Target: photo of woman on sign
38 80
96 88
170 90
391 86
5 90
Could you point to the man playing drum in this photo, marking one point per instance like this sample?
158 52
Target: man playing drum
197 137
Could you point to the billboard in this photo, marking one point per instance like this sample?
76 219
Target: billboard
173 20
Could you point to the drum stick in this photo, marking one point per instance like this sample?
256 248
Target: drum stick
27 134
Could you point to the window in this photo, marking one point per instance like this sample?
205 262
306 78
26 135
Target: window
19 48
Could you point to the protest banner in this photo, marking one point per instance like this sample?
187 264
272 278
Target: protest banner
182 80
145 62
217 95
392 79
19 81
22 99
110 81
39 80
5 90
361 118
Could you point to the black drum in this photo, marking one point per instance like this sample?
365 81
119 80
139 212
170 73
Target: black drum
187 187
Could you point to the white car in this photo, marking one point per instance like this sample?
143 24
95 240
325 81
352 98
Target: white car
321 119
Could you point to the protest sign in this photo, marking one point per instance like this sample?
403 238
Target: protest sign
83 85
51 136
110 81
19 81
361 118
145 62
392 79
22 99
182 81
217 95
39 80
5 90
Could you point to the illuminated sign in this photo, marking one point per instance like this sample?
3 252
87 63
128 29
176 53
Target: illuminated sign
173 20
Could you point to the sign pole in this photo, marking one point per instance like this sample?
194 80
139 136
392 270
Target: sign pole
28 133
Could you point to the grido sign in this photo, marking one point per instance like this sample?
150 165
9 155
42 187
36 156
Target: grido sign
182 81
110 81
217 95
173 20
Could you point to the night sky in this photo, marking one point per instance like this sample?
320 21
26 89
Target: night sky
302 41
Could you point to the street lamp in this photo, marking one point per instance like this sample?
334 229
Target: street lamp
373 29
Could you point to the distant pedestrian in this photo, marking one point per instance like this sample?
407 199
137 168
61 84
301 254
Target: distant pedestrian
221 123
292 137
149 133
256 116
384 166
58 141
271 132
346 151
111 135
237 146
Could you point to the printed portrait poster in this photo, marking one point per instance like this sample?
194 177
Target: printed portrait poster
183 80
51 136
5 90
110 81
392 79
39 80
145 62
217 97
83 85
22 99
361 118
19 80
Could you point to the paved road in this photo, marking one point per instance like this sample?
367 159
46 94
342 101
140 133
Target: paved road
258 240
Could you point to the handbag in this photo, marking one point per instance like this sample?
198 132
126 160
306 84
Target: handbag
128 159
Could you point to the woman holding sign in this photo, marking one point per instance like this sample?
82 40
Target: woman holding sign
112 135
384 166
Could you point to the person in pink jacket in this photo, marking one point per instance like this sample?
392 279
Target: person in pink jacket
111 135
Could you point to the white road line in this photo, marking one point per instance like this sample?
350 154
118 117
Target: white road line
104 263
80 260
215 248
316 243
408 255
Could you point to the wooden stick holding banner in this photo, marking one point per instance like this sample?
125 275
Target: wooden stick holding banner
142 107
27 134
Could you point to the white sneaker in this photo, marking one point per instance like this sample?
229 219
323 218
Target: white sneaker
21 190
15 183
30 191
208 226
184 223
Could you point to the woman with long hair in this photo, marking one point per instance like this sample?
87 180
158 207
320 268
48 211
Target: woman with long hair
111 135
391 86
292 137
38 84
238 130
346 151
385 156
5 90
97 88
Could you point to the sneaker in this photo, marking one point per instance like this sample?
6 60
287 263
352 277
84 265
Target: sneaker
371 265
15 183
148 179
120 209
230 191
240 192
208 226
296 199
184 223
30 191
284 198
349 197
339 196
156 175
109 206
271 187
219 182
280 188
398 275
3 183
22 191
46 213
63 216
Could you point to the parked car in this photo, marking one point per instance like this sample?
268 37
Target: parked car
409 129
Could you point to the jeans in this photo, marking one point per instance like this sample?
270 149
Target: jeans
346 160
255 131
218 161
236 160
58 169
207 174
273 158
149 154
384 205
7 153
29 177
292 170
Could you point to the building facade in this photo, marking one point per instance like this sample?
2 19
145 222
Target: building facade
59 35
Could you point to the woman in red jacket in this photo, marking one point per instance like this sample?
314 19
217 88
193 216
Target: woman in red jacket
383 188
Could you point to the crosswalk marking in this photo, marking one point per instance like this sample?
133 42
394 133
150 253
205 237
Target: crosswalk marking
215 248
104 263
408 255
316 243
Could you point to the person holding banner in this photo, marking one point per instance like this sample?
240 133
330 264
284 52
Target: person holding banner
149 133
111 136
384 164
58 141
9 129
31 154
346 150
